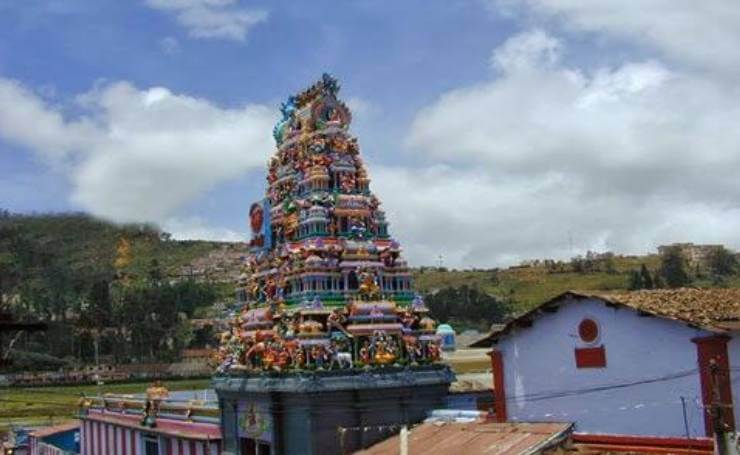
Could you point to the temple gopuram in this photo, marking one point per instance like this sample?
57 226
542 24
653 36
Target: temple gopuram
330 338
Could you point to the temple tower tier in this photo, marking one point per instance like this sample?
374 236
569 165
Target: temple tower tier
324 295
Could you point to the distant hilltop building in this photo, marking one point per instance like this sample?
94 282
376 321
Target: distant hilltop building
332 342
220 265
694 254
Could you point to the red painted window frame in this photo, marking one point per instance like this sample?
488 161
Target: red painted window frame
594 357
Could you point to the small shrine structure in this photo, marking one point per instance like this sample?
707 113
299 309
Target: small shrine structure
330 338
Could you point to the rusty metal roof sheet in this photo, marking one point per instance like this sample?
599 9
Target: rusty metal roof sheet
477 437
61 428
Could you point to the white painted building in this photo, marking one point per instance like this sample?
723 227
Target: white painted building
635 363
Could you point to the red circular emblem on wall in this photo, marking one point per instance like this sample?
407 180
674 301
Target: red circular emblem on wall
588 330
256 216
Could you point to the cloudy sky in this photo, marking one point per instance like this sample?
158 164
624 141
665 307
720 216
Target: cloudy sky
495 131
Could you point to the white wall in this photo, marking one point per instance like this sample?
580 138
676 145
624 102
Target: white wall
540 360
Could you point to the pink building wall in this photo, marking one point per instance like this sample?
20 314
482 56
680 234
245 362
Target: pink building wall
105 438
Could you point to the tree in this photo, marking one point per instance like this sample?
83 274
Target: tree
673 268
100 304
722 262
647 280
466 306
657 281
578 264
155 272
609 264
635 280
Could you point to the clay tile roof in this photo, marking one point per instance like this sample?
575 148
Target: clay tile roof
480 438
713 309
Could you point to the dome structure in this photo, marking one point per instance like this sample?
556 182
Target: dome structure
447 337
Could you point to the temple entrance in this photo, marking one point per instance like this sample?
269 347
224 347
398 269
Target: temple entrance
254 447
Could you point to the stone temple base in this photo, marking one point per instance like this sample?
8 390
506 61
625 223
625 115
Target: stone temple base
325 412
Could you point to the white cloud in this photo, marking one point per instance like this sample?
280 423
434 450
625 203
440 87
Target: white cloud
701 33
215 19
138 155
475 219
196 228
169 45
361 107
25 117
623 158
527 51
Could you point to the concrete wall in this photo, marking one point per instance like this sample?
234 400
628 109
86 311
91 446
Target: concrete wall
308 414
539 362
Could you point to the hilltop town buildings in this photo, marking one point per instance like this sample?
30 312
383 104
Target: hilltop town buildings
695 255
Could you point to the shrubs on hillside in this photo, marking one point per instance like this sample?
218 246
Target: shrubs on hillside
675 270
63 269
466 307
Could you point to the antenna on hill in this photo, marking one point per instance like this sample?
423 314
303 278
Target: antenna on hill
440 261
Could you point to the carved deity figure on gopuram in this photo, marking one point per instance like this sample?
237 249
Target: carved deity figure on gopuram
324 285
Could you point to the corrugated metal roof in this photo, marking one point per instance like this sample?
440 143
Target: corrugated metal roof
478 437
61 428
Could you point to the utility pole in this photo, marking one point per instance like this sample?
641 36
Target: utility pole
685 417
404 449
717 412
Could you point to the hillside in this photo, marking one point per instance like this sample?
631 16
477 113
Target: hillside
60 268
526 286
125 292
85 244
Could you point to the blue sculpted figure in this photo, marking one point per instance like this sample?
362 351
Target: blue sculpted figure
287 108
418 302
330 83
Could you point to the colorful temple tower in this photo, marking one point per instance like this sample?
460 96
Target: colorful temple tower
330 334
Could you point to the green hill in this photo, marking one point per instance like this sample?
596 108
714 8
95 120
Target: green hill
88 245
517 289
526 286
62 268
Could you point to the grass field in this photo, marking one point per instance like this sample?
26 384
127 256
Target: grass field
31 406
41 405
